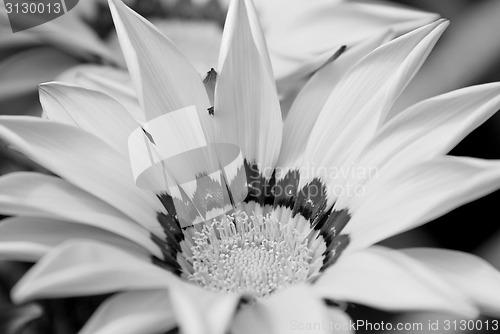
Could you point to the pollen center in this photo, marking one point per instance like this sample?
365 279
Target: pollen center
255 255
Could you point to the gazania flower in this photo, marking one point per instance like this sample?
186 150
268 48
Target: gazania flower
217 217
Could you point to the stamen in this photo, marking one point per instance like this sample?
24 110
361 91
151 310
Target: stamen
255 255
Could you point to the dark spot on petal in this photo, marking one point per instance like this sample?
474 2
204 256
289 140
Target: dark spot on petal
330 225
259 188
285 189
210 194
168 264
334 250
171 245
334 223
169 221
311 200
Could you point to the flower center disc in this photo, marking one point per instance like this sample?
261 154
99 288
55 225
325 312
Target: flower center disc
255 255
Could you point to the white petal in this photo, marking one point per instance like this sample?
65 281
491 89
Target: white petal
424 131
459 64
164 80
397 202
29 238
299 31
108 80
198 40
433 127
247 111
22 72
146 312
311 99
471 275
359 103
293 309
200 311
81 268
85 161
38 195
90 110
390 280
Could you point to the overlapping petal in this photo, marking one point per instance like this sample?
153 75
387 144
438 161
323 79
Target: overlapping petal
108 80
391 280
292 309
200 311
247 111
89 110
426 130
163 78
432 127
37 195
86 161
30 238
84 267
147 312
418 194
302 36
459 63
362 99
308 104
460 270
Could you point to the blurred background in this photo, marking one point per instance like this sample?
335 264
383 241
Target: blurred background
467 54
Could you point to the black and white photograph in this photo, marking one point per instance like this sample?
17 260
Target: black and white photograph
249 166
